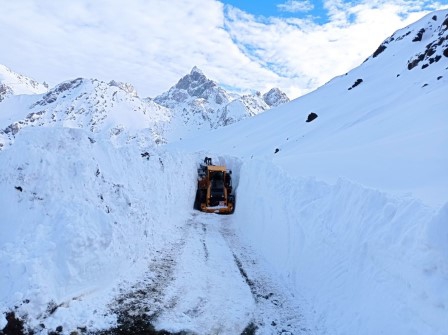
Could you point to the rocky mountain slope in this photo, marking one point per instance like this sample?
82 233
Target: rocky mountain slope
12 83
202 104
106 110
115 110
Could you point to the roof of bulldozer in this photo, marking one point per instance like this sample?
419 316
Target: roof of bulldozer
216 168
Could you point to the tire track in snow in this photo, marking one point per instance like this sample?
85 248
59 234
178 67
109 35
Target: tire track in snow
210 295
277 310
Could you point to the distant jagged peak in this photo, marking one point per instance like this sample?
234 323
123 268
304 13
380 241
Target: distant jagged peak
197 70
12 83
62 88
191 87
128 88
195 79
275 97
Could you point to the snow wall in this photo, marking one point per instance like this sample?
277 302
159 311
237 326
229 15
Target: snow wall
369 263
78 214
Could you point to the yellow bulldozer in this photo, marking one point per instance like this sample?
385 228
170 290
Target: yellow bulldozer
214 193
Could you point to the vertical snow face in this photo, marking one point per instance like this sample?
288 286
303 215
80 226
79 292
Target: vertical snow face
77 216
12 83
362 257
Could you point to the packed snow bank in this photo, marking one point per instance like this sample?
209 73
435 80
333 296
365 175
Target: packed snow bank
78 215
368 262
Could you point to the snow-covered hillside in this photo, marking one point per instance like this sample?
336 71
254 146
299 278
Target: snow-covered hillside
12 83
341 201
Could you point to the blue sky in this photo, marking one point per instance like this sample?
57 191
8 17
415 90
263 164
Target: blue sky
315 10
295 45
278 8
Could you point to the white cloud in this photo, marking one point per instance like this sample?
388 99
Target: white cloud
152 43
305 54
295 6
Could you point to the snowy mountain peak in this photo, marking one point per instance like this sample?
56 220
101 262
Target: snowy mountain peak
195 99
196 84
275 97
12 83
201 103
197 70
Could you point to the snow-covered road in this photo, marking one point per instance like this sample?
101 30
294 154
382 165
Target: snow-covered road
207 282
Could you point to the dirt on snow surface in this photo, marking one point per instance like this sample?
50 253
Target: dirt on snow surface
206 282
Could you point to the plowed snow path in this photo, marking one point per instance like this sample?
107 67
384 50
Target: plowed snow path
220 287
209 283
208 294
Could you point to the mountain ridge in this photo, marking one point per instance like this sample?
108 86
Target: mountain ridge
194 103
202 103
12 83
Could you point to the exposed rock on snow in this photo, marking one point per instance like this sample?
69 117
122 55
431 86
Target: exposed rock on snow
431 36
356 83
311 117
5 91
